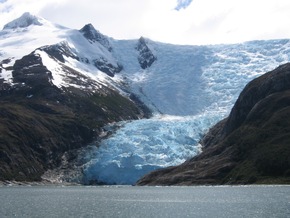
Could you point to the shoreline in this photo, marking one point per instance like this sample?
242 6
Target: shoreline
54 184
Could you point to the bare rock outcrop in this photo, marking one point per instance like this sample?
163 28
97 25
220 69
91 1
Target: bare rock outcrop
251 146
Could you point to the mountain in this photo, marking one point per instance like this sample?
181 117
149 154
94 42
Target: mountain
25 20
95 36
49 106
189 89
64 90
250 146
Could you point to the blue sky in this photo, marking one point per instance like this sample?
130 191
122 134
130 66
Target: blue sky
170 21
182 4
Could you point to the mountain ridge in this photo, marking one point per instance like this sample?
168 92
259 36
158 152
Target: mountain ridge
25 20
249 146
49 107
78 81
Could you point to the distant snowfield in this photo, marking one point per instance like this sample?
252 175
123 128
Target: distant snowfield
190 88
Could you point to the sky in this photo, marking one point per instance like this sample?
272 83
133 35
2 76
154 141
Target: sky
195 22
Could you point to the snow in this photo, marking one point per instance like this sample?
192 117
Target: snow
24 21
87 50
53 67
60 75
192 78
6 75
18 39
18 42
189 88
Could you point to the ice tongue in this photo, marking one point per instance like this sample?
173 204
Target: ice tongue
25 20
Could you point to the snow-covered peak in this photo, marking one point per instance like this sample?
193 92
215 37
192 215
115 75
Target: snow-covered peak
88 28
94 35
25 20
27 33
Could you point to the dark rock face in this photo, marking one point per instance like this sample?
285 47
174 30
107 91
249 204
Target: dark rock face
258 89
105 66
251 146
146 58
39 122
59 51
3 84
62 50
30 71
95 36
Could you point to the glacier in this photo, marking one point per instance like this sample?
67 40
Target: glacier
189 88
144 145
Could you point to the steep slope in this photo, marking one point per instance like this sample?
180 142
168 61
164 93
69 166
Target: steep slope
87 46
195 78
146 57
189 88
39 121
99 80
50 104
250 146
24 21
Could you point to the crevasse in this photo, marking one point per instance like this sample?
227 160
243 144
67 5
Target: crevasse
189 88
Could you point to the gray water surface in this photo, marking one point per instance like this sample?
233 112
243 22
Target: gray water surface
128 201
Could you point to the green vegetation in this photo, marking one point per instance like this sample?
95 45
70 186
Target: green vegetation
262 151
40 122
35 132
251 146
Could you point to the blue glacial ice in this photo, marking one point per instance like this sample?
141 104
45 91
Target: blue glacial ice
189 88
144 145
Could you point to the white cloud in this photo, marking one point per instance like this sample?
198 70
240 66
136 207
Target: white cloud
196 21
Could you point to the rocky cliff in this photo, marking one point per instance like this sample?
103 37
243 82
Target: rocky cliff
251 146
146 57
39 121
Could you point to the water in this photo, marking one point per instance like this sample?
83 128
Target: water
128 201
